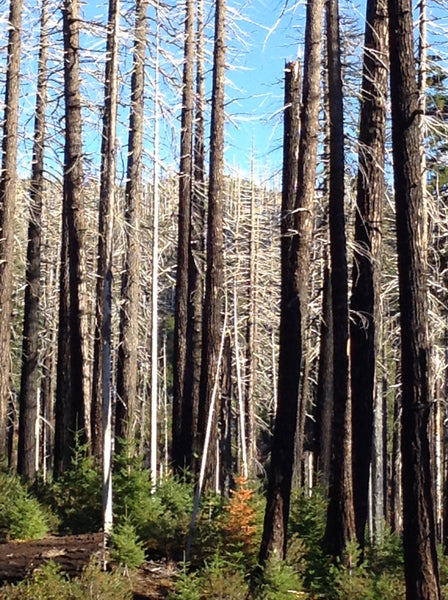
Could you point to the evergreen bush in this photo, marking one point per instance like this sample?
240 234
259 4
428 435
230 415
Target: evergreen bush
278 581
127 550
76 495
352 580
50 583
166 530
161 518
47 583
21 516
133 499
26 519
305 554
218 579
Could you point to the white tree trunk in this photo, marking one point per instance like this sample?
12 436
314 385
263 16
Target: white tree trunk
112 89
155 270
242 413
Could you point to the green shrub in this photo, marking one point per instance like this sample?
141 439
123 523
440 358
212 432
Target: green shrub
218 579
96 584
385 563
308 516
50 583
132 490
386 555
443 571
76 495
47 583
379 576
166 531
21 516
278 581
126 550
352 580
306 555
161 518
27 521
187 586
296 555
208 537
390 586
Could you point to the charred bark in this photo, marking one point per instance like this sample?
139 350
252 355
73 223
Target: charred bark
214 279
27 459
419 536
181 452
8 190
70 393
365 324
127 350
340 528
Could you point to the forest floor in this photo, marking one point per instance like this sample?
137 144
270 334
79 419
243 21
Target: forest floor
152 581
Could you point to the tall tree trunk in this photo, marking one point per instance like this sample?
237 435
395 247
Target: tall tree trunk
127 350
70 396
378 467
225 420
340 527
419 537
324 400
251 334
242 442
282 449
365 325
27 460
422 85
196 257
396 508
155 269
304 204
48 378
296 253
8 186
101 406
182 447
214 279
102 350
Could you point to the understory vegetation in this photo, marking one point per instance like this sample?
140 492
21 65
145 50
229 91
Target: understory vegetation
224 559
50 582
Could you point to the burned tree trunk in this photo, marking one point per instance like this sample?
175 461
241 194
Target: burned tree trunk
419 536
8 187
27 459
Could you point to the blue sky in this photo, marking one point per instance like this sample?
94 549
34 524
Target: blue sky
262 36
275 36
256 76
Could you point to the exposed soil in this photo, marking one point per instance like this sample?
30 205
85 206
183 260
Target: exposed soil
19 559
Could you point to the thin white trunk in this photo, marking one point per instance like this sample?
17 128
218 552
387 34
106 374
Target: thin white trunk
274 373
165 408
107 298
155 269
251 329
377 465
239 386
422 75
438 457
107 420
37 426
